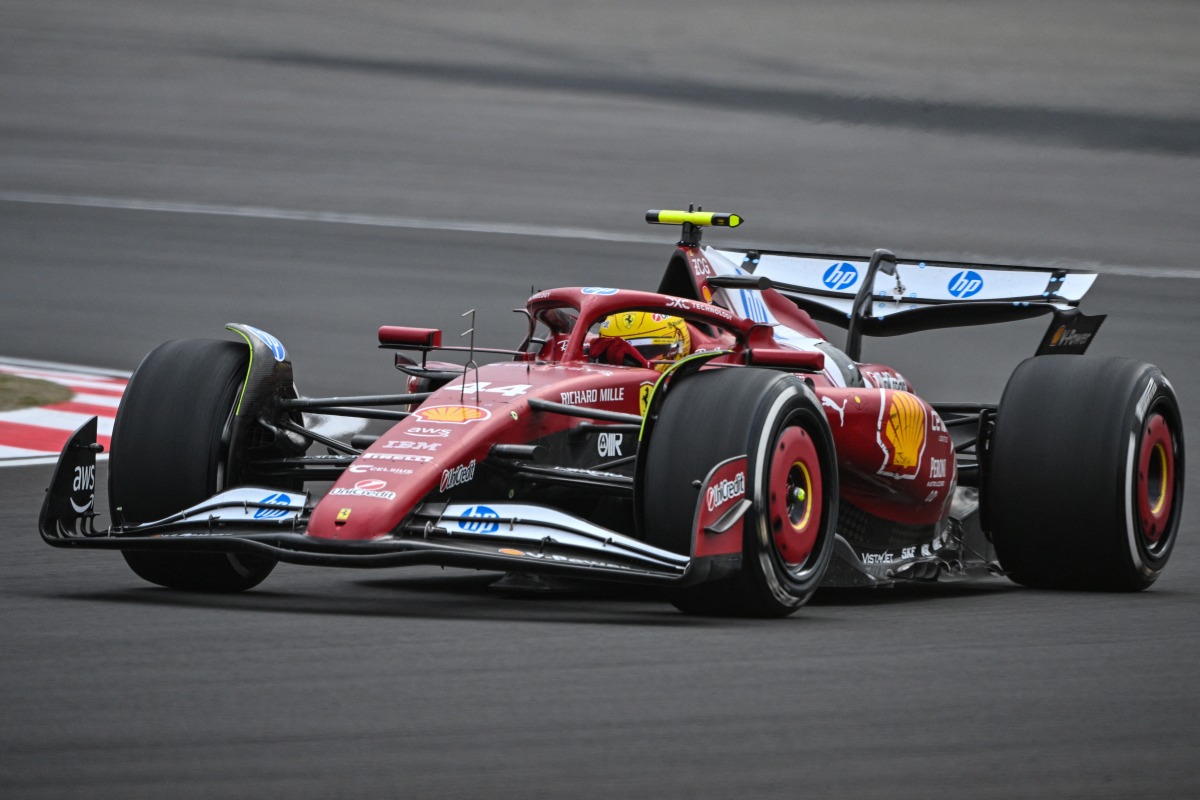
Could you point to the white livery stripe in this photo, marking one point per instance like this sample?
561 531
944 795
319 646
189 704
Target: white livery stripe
18 452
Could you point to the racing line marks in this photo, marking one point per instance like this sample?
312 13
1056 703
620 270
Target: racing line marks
37 435
418 223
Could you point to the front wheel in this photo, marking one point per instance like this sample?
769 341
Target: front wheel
1085 476
171 450
776 422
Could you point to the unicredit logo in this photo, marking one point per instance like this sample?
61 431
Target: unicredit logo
721 493
457 476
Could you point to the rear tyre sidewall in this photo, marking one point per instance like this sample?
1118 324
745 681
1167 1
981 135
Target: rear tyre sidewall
171 450
1082 449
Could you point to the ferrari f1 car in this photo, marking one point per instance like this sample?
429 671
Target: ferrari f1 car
706 438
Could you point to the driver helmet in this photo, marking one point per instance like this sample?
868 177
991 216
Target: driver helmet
658 337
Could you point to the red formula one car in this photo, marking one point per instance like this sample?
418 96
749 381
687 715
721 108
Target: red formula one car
705 438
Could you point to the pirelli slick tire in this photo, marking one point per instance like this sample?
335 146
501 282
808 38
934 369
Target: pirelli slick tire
1084 483
776 421
170 450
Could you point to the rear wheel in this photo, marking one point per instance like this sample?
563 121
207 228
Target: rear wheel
1085 483
171 450
775 421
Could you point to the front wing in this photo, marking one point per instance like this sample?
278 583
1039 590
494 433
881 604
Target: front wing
508 537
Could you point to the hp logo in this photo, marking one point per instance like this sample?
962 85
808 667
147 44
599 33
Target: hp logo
965 284
840 276
480 521
756 309
273 500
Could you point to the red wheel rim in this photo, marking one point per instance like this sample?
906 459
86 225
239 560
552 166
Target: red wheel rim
795 496
1155 478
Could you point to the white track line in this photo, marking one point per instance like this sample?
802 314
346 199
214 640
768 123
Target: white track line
66 421
497 228
96 400
55 366
76 385
335 217
25 456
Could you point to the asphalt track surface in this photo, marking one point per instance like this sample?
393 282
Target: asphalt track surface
168 167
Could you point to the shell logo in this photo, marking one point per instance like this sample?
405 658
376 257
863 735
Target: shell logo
454 415
902 434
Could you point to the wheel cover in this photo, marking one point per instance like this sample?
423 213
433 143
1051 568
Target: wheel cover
795 496
1155 492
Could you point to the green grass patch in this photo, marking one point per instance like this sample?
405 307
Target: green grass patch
26 392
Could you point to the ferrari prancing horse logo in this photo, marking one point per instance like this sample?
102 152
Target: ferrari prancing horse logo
644 393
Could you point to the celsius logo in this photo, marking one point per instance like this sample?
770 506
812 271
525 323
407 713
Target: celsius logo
721 493
481 520
840 276
965 284
273 500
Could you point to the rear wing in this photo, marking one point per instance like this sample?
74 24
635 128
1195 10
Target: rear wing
887 296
